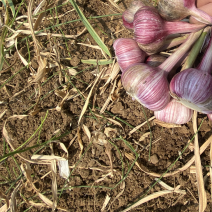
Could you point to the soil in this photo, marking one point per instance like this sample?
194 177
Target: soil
88 191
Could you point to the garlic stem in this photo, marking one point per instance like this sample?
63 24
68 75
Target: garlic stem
168 64
181 27
206 64
196 49
171 42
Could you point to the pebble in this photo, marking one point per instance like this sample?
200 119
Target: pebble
154 159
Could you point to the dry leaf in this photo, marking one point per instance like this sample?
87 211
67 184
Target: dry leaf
199 174
114 73
41 62
109 154
5 207
39 205
37 9
116 6
177 190
79 141
94 47
60 93
71 142
107 199
47 158
72 71
13 206
192 170
144 136
2 114
108 130
108 99
88 98
86 131
99 138
166 125
10 141
139 126
27 173
148 198
54 184
112 120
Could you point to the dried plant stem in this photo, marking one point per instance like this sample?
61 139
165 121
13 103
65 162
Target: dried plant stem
199 174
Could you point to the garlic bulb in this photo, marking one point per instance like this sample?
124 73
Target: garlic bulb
128 52
150 30
128 15
149 85
193 87
174 113
175 10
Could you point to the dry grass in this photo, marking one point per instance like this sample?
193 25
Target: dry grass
49 59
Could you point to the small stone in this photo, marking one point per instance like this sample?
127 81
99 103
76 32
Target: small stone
154 159
74 61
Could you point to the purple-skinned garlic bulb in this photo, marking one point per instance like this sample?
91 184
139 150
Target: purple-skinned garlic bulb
128 15
176 10
128 52
150 30
193 86
174 113
149 85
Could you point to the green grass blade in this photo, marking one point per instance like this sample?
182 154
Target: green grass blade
11 5
90 29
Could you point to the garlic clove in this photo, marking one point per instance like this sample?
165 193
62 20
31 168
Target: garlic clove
148 85
174 113
128 52
128 15
193 88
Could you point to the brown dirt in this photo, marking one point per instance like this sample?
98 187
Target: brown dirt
88 195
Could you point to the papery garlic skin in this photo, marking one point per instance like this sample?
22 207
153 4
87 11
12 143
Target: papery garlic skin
128 52
174 113
147 85
175 10
128 15
193 88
